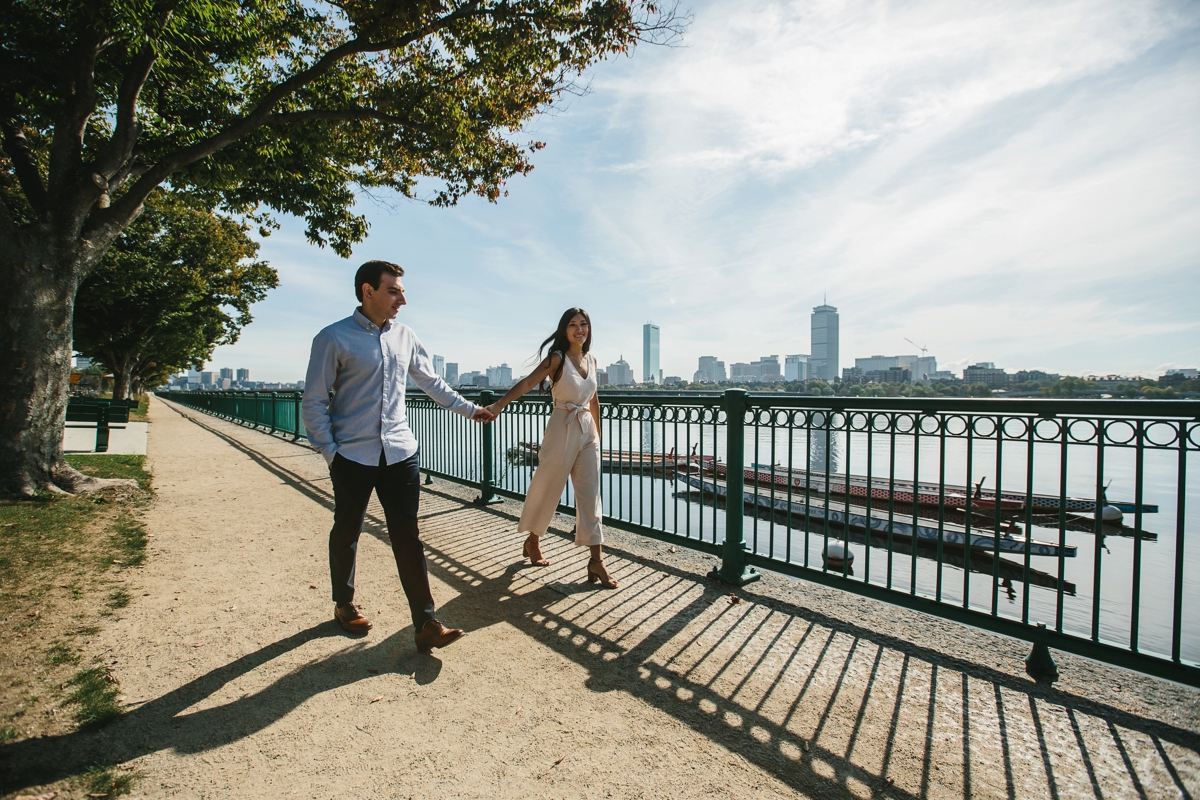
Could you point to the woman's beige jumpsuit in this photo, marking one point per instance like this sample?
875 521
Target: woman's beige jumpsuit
570 447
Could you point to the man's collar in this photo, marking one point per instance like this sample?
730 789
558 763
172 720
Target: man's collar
362 320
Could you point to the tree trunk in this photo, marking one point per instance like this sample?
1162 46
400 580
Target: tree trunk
35 362
121 378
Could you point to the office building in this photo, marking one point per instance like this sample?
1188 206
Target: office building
824 363
795 367
468 378
710 370
206 379
500 376
226 372
601 378
650 370
451 376
439 367
620 373
766 369
243 376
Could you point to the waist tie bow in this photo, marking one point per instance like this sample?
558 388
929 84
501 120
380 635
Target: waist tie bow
574 416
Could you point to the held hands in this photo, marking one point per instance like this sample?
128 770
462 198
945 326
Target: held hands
484 415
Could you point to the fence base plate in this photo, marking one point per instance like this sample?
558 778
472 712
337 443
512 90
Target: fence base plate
748 575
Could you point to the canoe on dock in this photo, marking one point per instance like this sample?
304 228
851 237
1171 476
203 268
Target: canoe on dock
876 522
904 492
623 461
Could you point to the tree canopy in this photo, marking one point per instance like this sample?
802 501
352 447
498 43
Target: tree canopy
177 283
286 104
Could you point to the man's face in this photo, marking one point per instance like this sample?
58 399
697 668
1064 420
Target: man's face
384 302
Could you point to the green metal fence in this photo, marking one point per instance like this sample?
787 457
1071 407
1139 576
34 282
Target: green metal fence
1070 524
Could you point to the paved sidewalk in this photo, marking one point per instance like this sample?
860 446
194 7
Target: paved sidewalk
240 685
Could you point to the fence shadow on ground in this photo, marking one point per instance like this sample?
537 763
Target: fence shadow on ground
823 704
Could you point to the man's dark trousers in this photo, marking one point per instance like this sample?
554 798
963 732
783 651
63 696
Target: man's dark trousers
398 487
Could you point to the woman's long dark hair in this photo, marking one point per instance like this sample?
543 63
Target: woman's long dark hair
559 343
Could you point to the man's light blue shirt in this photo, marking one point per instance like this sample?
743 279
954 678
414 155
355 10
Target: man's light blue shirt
354 390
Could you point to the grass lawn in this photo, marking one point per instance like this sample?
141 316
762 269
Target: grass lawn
63 565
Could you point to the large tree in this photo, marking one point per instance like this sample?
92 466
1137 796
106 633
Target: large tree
291 105
179 281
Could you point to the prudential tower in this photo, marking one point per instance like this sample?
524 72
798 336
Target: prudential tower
825 343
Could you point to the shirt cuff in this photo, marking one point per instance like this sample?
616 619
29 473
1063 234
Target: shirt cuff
329 453
467 409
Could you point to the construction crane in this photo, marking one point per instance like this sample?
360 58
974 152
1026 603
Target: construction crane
920 347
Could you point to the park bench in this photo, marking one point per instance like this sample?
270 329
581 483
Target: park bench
103 415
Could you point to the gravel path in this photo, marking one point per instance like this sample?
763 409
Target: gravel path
239 684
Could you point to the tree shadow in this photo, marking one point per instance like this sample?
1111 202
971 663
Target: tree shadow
825 705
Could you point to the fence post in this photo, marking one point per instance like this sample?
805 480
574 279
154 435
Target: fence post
487 489
733 567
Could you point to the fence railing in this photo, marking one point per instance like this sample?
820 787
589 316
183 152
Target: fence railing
1067 523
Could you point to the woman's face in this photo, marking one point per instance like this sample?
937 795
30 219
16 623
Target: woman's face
578 330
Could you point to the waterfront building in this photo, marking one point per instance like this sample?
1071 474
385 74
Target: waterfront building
672 380
985 372
468 378
601 378
226 372
739 371
710 370
620 373
824 363
1035 375
439 367
243 375
650 370
795 367
451 376
206 379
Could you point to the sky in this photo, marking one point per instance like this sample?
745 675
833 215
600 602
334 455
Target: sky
1008 182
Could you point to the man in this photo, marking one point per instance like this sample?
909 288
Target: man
354 413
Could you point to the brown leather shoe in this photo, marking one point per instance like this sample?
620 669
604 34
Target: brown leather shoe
435 634
350 619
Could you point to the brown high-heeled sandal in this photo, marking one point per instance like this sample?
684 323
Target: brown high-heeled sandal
530 549
598 573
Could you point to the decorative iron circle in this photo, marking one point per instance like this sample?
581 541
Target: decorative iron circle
1014 427
1119 431
984 426
904 423
881 421
1081 430
1047 429
955 425
929 424
1161 433
859 420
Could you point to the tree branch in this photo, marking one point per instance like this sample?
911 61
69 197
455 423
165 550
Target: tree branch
119 149
66 148
16 147
349 114
128 206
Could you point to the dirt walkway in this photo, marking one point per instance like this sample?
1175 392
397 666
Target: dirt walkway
239 684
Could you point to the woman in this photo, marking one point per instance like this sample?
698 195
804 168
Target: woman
571 444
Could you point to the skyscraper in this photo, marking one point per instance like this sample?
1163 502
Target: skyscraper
824 363
439 367
243 375
227 372
452 373
650 370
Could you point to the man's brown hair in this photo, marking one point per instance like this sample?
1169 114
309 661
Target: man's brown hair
372 273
